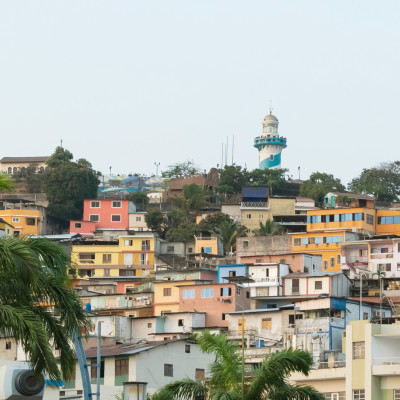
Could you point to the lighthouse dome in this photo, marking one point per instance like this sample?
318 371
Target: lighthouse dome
270 118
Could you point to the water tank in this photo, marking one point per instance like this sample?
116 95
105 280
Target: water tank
88 307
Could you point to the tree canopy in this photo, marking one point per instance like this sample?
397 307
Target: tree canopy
156 221
140 199
68 183
38 306
269 228
383 182
212 221
181 169
319 184
229 231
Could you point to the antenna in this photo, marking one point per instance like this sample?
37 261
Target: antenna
270 107
233 144
222 156
226 150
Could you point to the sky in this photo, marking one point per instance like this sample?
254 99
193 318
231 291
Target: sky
127 84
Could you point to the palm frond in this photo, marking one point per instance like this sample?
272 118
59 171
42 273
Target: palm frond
296 392
185 389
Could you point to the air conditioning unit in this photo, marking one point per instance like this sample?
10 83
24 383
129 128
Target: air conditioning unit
147 302
129 266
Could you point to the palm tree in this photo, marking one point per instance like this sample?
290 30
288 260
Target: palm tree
269 381
229 231
270 228
194 199
38 307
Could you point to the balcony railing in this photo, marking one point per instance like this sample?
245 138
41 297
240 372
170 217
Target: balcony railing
145 248
386 361
357 259
330 364
255 205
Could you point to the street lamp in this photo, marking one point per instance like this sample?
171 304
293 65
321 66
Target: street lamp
135 390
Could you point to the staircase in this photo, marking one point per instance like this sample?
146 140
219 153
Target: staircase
173 260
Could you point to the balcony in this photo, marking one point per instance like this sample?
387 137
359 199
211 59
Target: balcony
254 205
386 366
145 248
355 259
264 282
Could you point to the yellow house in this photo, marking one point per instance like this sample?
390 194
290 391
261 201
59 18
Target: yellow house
6 229
388 222
252 213
166 295
326 244
208 244
25 222
361 220
130 256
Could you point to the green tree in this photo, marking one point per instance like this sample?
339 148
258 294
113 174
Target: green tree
383 182
68 183
181 170
6 183
269 381
275 178
38 306
232 179
34 178
193 200
319 184
269 228
155 220
140 199
209 223
182 233
229 232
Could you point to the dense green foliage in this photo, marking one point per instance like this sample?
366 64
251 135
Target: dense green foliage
140 199
269 228
155 220
269 381
34 178
212 221
229 231
68 183
6 183
319 184
383 182
38 307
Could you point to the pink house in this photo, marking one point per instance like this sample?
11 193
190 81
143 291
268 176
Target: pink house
103 215
216 300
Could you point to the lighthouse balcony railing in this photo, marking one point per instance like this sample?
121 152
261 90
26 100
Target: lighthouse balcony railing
254 205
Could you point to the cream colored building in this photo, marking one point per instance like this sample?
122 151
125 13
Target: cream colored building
11 165
372 370
252 213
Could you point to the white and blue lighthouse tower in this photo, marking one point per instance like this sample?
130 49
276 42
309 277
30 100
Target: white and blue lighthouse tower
270 144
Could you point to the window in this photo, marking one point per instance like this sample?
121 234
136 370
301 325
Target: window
199 375
223 317
304 241
358 350
271 157
338 258
248 216
241 324
9 171
232 273
365 315
106 271
78 225
359 394
93 370
266 323
128 242
122 367
267 272
15 219
225 291
207 293
167 292
8 345
116 204
138 219
295 286
370 219
94 204
335 396
318 240
332 262
188 294
170 249
190 250
94 217
245 243
325 265
187 348
106 258
261 216
296 242
115 218
143 259
86 258
168 370
318 285
149 324
247 295
180 322
237 290
396 394
145 245
30 221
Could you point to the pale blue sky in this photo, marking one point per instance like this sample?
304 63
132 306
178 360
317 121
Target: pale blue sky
127 83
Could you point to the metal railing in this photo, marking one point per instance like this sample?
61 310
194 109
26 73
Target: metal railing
331 364
254 204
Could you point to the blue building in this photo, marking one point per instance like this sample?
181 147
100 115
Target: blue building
231 271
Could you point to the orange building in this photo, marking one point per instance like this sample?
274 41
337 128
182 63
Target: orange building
361 220
388 222
25 222
326 244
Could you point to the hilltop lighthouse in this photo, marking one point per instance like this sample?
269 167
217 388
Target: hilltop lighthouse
270 144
